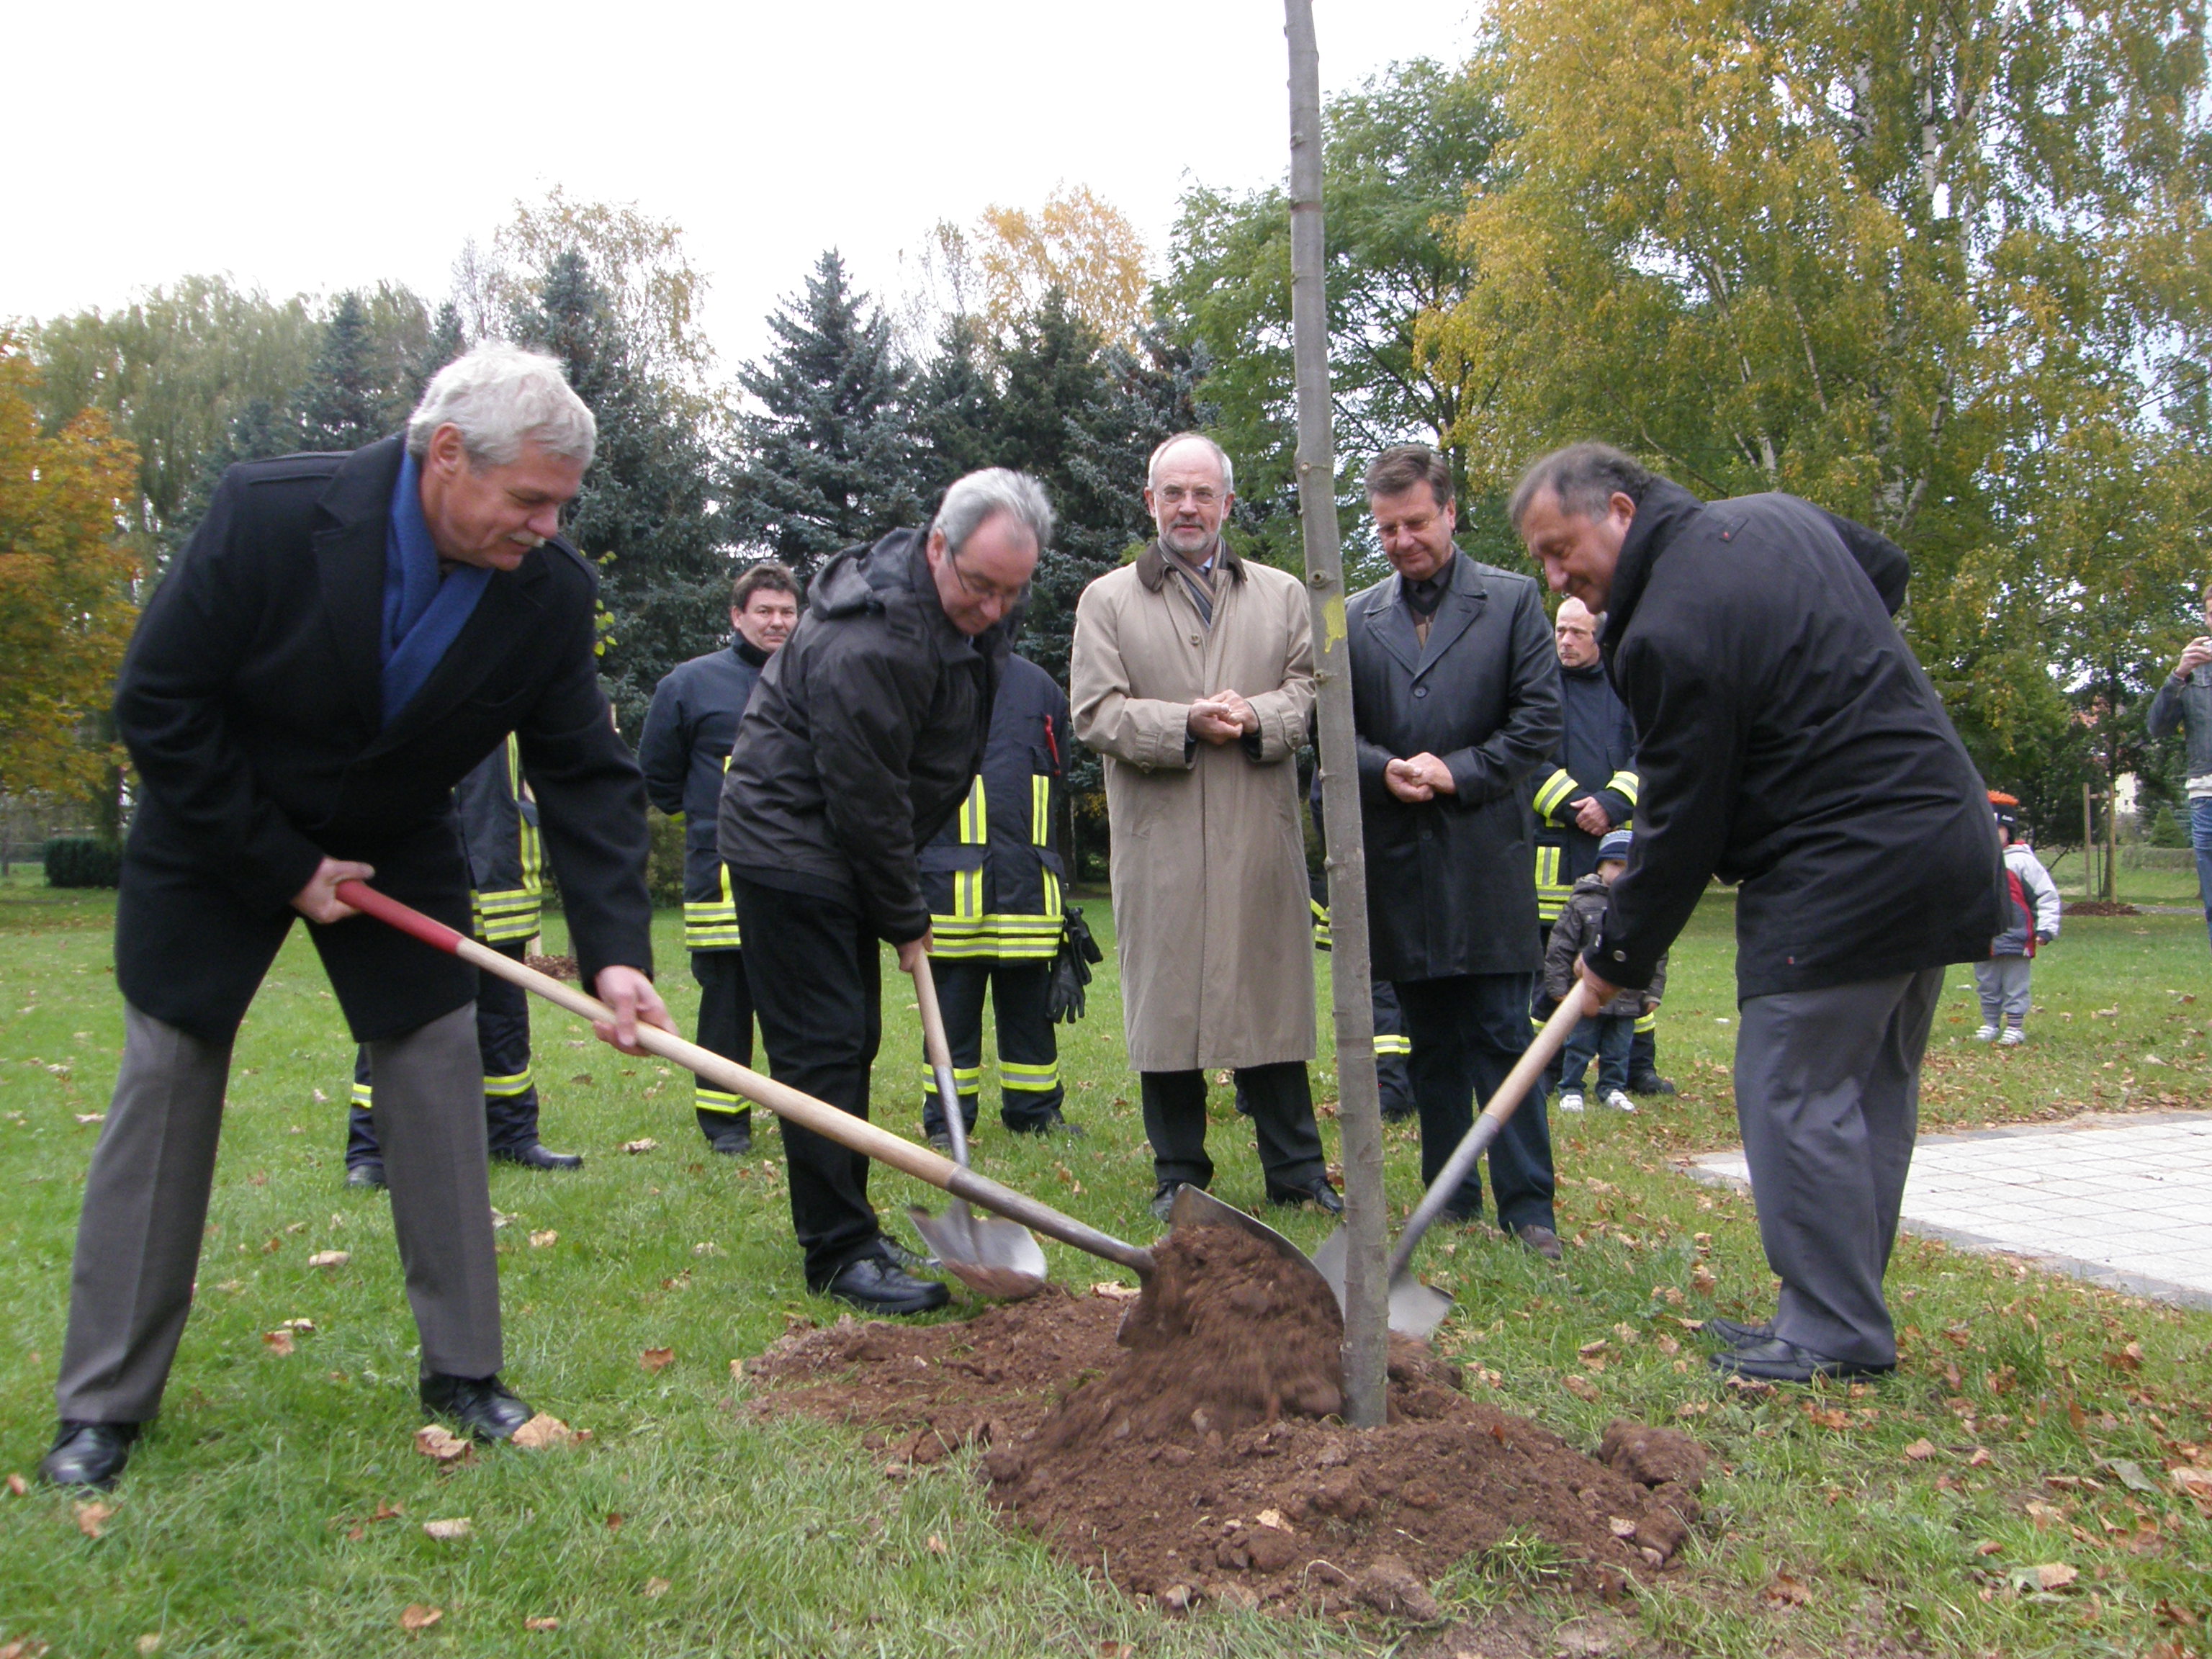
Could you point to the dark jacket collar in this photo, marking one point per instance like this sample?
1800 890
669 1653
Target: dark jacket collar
1662 513
1465 596
1152 563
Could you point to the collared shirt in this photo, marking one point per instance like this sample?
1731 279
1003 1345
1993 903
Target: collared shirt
1423 597
1197 579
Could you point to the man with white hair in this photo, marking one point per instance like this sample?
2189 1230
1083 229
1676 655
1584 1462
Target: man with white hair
1192 673
859 742
344 638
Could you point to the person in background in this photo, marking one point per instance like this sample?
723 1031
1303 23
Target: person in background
2032 919
2184 704
684 750
499 835
1455 707
1609 1036
993 878
1192 675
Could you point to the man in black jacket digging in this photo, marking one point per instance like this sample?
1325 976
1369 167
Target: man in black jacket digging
345 637
862 738
1786 740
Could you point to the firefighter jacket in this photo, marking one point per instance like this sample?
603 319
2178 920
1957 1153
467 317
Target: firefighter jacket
993 876
685 752
1596 755
499 832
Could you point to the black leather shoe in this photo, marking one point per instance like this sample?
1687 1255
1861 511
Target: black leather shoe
1542 1240
941 1142
874 1285
733 1143
1775 1360
1321 1193
1163 1206
369 1172
1051 1124
485 1406
905 1261
1734 1336
1649 1084
88 1454
535 1157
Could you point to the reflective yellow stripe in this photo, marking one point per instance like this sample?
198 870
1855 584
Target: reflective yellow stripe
966 1078
1555 790
1322 939
716 1100
974 822
1552 893
508 1088
361 1095
1647 1022
1015 1078
1040 809
508 914
1386 1044
1623 784
711 924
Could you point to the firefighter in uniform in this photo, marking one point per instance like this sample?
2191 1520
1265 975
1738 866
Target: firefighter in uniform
684 750
1574 811
992 878
499 833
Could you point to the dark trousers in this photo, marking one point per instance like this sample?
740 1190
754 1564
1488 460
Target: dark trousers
1280 1097
1643 1053
726 1028
1466 1032
816 985
1393 1082
1030 1089
503 1046
1827 1096
1605 1037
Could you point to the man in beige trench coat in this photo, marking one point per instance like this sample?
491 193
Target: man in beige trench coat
1191 675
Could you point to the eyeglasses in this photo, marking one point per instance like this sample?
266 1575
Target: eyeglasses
1175 495
986 592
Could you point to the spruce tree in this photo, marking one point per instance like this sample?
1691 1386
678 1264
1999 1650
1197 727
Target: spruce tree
645 513
830 460
344 404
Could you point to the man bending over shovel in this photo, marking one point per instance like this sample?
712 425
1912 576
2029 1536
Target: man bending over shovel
345 637
1787 740
862 740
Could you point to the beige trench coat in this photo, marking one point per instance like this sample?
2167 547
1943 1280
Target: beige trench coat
1211 909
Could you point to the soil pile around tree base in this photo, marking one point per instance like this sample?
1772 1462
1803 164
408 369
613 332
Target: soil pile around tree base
1199 1456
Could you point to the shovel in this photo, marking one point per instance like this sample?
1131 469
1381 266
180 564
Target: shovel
1003 1260
1417 1309
1192 1208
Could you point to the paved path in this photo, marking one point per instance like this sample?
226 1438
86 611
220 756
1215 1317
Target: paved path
2124 1200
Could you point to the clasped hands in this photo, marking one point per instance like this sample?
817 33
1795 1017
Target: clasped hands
1422 777
628 994
1222 718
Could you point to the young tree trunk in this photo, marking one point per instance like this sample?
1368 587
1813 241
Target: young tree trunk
1359 1111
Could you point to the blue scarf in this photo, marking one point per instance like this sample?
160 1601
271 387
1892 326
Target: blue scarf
423 612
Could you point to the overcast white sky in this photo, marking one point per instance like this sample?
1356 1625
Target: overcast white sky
319 147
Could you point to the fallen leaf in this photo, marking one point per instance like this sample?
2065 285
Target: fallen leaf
1988 1546
386 1511
91 1117
24 1647
656 1587
298 1324
1589 1349
2130 1474
330 1259
18 1486
937 1544
445 1532
280 1342
443 1444
2130 1358
2045 1515
708 1248
417 1616
614 1521
149 1642
1829 1419
1702 1280
2056 1575
1113 1292
1580 1387
643 1145
321 1099
1977 1458
1116 1650
1920 1450
540 1241
656 1359
541 1431
2197 1484
541 1624
1788 1592
1666 1345
91 1517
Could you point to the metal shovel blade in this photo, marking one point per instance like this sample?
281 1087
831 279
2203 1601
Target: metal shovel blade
1416 1309
1196 1208
992 1257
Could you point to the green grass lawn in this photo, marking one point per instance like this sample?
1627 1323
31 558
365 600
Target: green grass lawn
247 1523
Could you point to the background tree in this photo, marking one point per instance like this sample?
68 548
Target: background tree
645 513
66 574
829 458
1077 243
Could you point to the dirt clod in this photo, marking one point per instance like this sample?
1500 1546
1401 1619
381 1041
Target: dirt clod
1200 1457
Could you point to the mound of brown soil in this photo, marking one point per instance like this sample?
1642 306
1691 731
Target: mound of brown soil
1199 1456
2098 907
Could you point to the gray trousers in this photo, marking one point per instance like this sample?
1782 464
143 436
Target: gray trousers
146 1202
1827 1096
2003 982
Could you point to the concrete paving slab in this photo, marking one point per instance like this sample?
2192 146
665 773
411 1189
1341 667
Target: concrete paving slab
2122 1201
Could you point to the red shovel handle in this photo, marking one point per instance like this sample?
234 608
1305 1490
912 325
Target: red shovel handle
408 920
